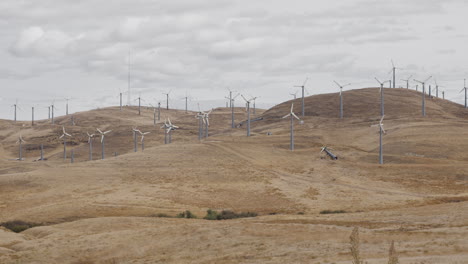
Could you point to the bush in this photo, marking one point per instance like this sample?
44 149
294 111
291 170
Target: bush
186 214
161 215
332 212
227 214
18 226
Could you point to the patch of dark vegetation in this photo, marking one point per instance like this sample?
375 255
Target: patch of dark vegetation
333 212
186 214
162 215
226 214
301 213
18 226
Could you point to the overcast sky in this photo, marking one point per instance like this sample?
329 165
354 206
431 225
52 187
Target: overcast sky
50 50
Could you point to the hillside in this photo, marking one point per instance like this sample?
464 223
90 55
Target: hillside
90 211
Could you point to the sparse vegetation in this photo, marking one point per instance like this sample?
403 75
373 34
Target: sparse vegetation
162 215
18 226
227 214
186 214
332 212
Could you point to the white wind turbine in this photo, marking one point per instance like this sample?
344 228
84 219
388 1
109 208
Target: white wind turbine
90 142
103 134
231 105
303 91
248 113
135 131
168 126
437 87
16 107
394 70
64 136
167 99
294 94
423 83
206 121
381 132
292 116
382 108
407 81
464 88
200 117
20 142
143 139
341 96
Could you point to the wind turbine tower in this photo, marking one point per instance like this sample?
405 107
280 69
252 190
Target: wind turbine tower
423 94
103 134
407 81
381 132
341 96
464 88
90 142
382 107
303 91
292 116
394 74
20 142
248 114
64 136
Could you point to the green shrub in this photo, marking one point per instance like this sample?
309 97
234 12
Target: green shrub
227 214
332 212
18 226
162 215
186 214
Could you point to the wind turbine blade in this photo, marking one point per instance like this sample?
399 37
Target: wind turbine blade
108 131
292 106
295 116
286 115
99 130
305 81
393 64
381 120
62 136
428 79
383 130
337 84
378 80
244 98
67 134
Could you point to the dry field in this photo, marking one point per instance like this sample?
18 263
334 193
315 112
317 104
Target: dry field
106 211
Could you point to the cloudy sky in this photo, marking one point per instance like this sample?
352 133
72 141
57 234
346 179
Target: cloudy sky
80 49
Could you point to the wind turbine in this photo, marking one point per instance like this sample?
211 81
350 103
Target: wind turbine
254 108
423 94
231 105
248 114
206 120
464 88
200 117
303 88
103 134
443 95
20 142
64 136
381 132
90 142
407 81
382 107
167 99
292 115
52 107
294 94
341 96
168 126
16 106
135 147
394 70
143 139
437 88
139 104
32 116
329 153
67 99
